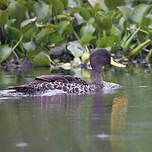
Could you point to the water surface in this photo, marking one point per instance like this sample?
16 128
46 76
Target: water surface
113 122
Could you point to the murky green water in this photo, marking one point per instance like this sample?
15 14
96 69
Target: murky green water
115 122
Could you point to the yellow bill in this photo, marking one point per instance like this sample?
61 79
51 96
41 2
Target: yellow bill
114 63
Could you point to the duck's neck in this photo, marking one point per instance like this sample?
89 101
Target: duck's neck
96 78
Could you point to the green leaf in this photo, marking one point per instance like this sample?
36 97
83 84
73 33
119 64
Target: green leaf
106 41
114 31
29 31
12 33
87 30
42 11
3 17
5 52
122 24
55 38
104 22
42 59
16 11
139 13
58 6
75 49
86 39
86 33
74 3
64 27
126 11
29 45
113 4
83 12
98 4
135 15
127 42
43 35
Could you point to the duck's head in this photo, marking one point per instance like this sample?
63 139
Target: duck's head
101 57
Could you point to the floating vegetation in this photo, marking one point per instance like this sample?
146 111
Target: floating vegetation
49 32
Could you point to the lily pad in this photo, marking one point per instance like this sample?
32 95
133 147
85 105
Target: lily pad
42 59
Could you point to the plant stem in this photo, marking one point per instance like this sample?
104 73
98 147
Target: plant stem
125 47
138 48
17 43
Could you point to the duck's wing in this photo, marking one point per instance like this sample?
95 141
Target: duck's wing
52 78
39 81
61 78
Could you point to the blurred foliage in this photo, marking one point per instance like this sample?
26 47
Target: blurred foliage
28 28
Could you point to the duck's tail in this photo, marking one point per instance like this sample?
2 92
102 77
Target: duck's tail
21 88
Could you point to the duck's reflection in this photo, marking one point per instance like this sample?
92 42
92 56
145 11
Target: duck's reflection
84 123
100 126
117 123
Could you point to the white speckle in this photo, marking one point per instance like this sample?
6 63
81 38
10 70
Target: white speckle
53 92
102 136
142 86
21 144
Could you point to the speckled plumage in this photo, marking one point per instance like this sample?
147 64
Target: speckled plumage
70 84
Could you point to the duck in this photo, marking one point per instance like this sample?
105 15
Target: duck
71 84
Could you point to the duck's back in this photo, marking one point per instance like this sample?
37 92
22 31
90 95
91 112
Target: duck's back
66 83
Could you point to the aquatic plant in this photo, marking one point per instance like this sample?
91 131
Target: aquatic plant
33 29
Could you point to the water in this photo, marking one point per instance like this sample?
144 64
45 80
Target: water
111 122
